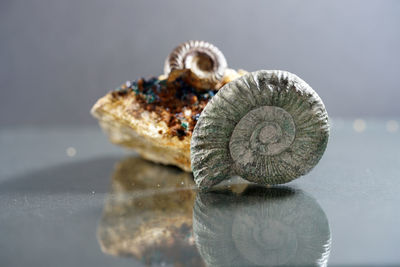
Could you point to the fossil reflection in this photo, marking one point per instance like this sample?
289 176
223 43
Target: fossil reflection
261 226
148 215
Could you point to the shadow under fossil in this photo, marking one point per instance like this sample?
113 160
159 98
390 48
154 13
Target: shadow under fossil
153 214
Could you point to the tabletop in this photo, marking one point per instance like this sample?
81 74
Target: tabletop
70 198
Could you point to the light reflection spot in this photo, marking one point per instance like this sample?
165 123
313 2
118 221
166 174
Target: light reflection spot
392 126
71 151
359 125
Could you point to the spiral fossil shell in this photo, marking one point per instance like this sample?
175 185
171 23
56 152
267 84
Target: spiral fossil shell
261 227
269 127
205 61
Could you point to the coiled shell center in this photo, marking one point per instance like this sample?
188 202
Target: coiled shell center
264 131
199 62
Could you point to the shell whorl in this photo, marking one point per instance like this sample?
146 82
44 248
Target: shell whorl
261 227
268 127
206 62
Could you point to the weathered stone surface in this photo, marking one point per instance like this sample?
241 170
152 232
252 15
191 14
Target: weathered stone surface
268 127
129 124
144 132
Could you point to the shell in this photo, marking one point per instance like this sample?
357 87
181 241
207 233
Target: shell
205 61
261 227
269 127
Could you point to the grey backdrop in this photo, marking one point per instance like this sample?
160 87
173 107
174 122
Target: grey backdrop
58 56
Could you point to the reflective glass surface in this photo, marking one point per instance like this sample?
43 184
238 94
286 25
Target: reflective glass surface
70 198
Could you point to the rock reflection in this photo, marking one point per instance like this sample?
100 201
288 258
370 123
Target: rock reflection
261 227
148 215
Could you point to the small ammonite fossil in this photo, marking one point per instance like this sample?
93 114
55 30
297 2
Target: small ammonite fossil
205 61
269 127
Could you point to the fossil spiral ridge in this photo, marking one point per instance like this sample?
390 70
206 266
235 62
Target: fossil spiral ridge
204 60
268 126
261 227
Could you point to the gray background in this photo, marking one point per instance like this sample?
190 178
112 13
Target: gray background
57 57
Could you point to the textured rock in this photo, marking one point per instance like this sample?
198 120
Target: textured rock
268 127
261 227
156 117
128 123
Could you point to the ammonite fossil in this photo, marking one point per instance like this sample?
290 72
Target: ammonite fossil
205 61
261 227
269 127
